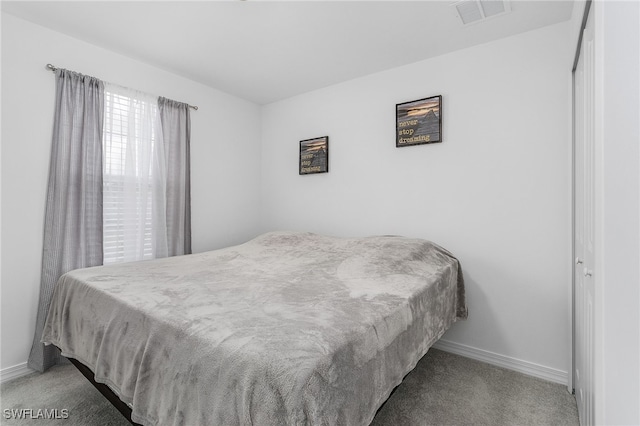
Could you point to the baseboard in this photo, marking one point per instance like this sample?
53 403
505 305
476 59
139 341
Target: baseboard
14 372
525 367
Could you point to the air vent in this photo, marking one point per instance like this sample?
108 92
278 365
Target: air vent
473 11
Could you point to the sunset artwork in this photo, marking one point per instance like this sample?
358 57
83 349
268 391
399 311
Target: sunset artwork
314 156
419 122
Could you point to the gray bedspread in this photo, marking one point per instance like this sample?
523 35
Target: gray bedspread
286 329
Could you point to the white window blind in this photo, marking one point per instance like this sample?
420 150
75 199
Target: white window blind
133 183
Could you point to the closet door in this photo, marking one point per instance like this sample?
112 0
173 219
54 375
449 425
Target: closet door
584 226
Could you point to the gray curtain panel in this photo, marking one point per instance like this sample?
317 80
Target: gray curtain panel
176 133
73 216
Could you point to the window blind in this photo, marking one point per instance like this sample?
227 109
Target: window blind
132 176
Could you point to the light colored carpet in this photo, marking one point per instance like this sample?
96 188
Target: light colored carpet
443 389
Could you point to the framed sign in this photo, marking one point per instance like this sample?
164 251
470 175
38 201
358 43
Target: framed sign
419 122
314 155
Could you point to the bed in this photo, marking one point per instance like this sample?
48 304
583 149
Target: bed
289 328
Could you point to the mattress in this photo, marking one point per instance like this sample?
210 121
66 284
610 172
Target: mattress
289 328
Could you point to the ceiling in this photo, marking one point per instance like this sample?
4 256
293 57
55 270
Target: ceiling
265 51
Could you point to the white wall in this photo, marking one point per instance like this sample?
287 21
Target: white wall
496 192
617 273
224 145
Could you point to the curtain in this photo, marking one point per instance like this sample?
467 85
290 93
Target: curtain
73 213
135 226
176 131
122 200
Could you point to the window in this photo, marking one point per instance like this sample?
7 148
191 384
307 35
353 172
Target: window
133 184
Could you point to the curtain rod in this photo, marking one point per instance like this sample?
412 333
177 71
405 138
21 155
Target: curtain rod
53 69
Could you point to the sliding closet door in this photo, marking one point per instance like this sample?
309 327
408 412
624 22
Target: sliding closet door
584 226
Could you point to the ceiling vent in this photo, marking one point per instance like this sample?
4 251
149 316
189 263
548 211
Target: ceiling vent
473 11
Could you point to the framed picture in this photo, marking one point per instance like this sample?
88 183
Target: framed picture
419 122
314 155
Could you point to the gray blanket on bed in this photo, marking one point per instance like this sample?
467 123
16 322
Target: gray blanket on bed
286 329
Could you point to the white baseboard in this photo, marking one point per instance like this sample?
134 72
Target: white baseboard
14 372
525 367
